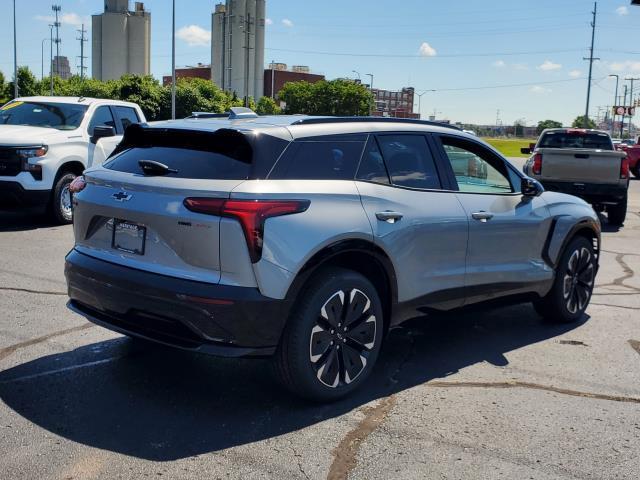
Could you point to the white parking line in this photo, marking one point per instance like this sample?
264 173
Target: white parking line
61 370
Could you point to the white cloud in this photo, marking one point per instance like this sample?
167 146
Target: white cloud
194 35
575 73
499 64
521 66
287 23
622 10
548 65
70 18
427 50
625 66
268 21
537 89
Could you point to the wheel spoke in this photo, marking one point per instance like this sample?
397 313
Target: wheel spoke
320 342
332 310
358 304
572 265
353 363
567 285
585 260
364 334
329 371
583 296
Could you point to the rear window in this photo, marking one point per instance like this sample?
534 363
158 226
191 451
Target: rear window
312 160
598 141
221 155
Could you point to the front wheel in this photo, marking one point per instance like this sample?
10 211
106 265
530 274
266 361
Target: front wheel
61 199
332 338
572 288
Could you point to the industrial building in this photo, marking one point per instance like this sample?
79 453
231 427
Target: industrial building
60 67
394 103
198 71
121 40
237 47
278 74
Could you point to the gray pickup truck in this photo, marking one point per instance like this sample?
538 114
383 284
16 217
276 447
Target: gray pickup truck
583 163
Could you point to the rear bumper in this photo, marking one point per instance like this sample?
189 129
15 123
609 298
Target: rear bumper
590 192
13 195
215 319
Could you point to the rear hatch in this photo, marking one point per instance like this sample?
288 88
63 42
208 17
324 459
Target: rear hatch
131 211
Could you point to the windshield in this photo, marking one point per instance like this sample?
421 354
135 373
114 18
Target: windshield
61 116
597 141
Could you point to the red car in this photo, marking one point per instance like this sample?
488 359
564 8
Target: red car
633 154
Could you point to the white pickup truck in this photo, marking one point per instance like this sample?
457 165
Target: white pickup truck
45 142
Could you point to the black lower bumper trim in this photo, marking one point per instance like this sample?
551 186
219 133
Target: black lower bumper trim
590 192
14 196
217 319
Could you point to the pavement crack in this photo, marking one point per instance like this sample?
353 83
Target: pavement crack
28 290
635 344
628 273
346 452
614 306
298 460
6 351
534 386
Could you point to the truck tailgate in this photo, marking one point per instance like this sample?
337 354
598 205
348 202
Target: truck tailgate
580 165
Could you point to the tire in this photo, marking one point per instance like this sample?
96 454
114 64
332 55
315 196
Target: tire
332 338
617 213
61 199
572 288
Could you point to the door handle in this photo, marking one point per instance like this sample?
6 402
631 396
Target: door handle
482 216
389 216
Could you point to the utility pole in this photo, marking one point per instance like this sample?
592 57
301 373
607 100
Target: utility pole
273 82
591 59
82 39
173 63
624 102
615 99
631 101
15 54
56 9
247 30
51 57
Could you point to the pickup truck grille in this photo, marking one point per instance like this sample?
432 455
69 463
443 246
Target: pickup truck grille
10 163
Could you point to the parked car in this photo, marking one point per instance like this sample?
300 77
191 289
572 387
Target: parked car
632 149
45 142
583 163
306 239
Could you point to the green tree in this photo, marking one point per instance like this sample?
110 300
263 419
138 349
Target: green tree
267 106
27 83
146 91
3 90
579 123
542 124
335 97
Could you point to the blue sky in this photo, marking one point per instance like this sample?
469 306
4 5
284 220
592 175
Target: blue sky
457 48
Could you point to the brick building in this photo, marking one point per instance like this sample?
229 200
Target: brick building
199 71
281 75
394 103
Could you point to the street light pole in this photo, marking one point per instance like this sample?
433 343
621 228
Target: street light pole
631 100
370 88
615 99
51 57
173 63
357 73
624 102
42 59
273 74
420 100
15 54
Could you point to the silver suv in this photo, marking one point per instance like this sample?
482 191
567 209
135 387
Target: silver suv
306 239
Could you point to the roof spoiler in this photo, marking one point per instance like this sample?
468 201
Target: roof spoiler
235 113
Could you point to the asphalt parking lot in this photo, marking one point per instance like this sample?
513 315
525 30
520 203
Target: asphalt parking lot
497 394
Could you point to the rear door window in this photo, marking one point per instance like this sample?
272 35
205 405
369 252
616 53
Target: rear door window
319 160
101 117
409 161
372 168
126 116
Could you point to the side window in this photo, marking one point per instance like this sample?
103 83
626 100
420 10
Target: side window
126 116
101 117
372 167
476 169
310 160
409 161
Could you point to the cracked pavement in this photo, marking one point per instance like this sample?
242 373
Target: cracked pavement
497 394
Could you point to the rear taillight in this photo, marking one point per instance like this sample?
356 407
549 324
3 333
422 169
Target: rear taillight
624 168
536 168
250 213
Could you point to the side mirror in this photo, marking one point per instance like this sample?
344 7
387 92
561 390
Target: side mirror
525 150
531 188
102 131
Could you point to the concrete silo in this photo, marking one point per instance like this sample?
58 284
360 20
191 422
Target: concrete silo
237 47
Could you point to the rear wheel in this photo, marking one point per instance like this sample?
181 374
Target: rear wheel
573 285
333 336
61 199
617 213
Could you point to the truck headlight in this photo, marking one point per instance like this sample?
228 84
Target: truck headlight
33 152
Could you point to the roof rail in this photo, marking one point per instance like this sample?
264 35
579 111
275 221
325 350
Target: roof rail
208 115
317 120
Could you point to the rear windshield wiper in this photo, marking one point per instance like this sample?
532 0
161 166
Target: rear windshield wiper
151 167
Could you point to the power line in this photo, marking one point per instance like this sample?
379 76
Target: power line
487 87
445 55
